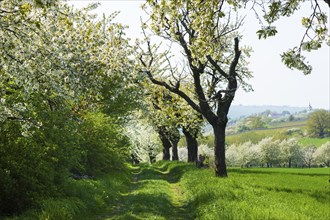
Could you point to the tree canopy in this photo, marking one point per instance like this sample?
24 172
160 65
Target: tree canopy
63 76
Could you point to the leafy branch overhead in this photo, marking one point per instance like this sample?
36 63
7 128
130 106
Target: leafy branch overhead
316 28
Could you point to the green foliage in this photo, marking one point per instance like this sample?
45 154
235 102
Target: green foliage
104 146
60 67
82 199
294 59
35 166
266 32
318 124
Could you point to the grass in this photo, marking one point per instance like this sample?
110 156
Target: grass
313 141
177 190
173 190
299 123
155 194
260 194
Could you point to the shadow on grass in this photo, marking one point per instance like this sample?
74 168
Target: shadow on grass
171 171
150 196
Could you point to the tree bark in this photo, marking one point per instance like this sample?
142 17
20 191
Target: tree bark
192 145
166 153
174 143
219 150
166 145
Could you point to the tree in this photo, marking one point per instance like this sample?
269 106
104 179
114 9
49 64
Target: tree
308 155
144 140
168 113
57 65
248 154
318 124
290 151
255 122
322 154
159 108
269 151
192 144
48 55
205 35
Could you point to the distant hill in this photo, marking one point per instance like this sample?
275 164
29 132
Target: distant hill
237 111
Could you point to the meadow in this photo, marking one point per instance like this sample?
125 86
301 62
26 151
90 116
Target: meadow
178 190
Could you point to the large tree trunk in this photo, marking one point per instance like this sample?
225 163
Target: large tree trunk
192 145
175 142
219 150
166 145
166 151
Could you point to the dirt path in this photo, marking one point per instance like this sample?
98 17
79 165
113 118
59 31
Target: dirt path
179 202
154 194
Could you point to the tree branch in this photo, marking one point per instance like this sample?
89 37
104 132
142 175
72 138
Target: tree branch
174 90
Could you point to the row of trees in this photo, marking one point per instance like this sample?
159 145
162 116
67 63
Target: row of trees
209 39
285 153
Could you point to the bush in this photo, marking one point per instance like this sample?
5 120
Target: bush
35 163
104 145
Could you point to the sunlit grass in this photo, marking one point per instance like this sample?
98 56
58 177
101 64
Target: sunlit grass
260 194
177 190
313 141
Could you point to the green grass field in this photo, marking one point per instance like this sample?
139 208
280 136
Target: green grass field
173 190
260 194
313 141
177 190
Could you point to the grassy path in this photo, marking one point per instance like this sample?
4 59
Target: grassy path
155 193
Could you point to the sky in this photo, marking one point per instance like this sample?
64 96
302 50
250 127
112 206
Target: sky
273 83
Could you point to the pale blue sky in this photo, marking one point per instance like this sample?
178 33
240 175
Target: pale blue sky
273 83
